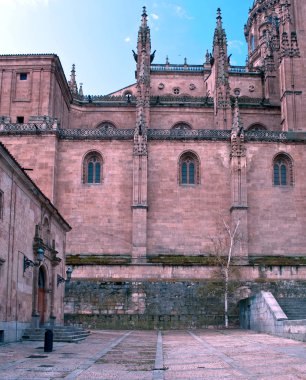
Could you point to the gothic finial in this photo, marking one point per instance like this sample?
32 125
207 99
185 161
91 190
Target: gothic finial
167 61
185 61
144 16
81 89
237 123
72 83
219 17
207 57
72 75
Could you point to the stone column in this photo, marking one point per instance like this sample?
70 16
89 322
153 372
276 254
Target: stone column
239 207
140 207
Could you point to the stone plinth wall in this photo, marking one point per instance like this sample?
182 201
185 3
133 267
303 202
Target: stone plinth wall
168 304
146 304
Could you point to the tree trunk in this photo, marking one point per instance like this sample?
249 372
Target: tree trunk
226 298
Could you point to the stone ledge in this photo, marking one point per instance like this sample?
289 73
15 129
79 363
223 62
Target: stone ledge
98 259
277 260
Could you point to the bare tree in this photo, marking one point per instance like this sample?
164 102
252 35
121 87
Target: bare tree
222 249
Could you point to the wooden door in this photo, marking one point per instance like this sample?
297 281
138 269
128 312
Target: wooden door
41 305
41 296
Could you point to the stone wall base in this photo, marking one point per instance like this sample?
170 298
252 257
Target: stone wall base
149 322
12 331
176 304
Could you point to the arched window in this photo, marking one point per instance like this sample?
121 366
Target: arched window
181 126
189 169
106 126
257 127
282 170
92 168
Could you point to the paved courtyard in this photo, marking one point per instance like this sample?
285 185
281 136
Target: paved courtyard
151 355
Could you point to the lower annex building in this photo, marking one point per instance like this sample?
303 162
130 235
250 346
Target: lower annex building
144 175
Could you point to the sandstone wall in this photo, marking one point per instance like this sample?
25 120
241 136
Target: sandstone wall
23 210
100 214
38 153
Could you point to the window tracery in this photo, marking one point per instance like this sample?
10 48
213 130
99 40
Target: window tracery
282 170
181 126
257 127
107 126
92 168
189 166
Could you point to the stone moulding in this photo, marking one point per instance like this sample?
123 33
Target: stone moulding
194 101
277 260
98 259
96 134
165 100
152 134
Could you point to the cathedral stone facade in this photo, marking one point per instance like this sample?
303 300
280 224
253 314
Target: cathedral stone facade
147 175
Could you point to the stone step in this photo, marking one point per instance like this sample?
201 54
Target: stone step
294 308
60 334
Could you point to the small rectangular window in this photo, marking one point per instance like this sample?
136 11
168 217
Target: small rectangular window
23 76
20 119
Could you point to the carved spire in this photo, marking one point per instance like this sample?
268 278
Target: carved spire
238 178
237 123
144 17
219 18
219 61
220 51
207 57
219 35
237 135
144 42
72 83
144 59
81 89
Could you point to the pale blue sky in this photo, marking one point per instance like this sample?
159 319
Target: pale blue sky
98 35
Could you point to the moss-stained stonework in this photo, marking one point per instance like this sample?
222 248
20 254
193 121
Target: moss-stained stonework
182 260
98 259
163 304
278 260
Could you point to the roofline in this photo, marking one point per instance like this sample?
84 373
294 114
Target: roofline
51 56
34 188
121 89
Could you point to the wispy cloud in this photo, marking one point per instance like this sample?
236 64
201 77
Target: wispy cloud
176 9
236 45
181 12
154 16
127 39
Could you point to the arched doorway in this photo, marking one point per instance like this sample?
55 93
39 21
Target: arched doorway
41 295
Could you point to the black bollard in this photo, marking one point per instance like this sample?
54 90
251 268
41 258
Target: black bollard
48 347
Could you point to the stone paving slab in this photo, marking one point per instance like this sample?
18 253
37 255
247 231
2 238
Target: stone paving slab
153 355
